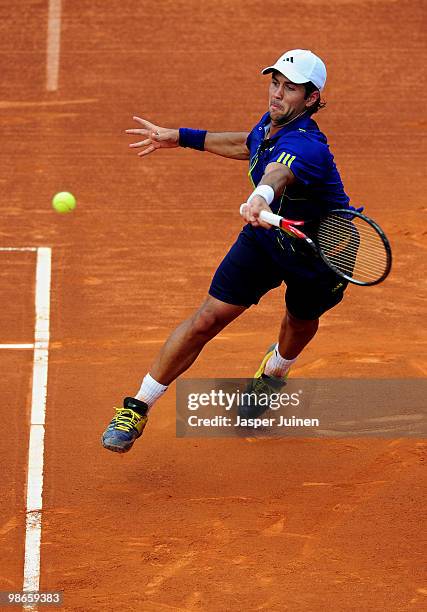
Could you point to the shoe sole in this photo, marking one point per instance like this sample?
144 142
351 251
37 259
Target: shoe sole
114 448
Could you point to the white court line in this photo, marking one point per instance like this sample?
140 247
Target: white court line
18 248
16 346
31 580
53 44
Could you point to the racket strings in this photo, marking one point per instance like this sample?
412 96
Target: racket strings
345 249
370 259
354 247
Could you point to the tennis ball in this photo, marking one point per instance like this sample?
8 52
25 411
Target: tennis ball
64 202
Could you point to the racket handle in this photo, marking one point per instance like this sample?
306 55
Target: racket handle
270 218
266 216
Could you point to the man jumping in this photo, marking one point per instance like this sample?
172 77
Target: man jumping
294 175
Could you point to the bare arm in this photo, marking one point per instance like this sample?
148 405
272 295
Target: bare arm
277 176
226 144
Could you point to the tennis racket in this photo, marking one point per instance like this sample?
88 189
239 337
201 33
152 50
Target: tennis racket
351 244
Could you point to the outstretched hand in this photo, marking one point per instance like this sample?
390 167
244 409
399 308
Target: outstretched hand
155 137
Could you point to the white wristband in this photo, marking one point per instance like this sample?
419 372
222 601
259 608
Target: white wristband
265 191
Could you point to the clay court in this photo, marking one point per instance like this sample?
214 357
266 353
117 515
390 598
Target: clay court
207 524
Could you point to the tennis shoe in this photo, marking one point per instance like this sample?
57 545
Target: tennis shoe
261 386
126 426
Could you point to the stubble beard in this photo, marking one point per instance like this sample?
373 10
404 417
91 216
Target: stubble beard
284 118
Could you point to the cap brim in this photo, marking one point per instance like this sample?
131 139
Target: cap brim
288 71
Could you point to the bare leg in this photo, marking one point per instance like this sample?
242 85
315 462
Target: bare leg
187 340
295 334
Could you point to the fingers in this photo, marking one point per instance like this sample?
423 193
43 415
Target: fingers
144 123
246 212
251 215
154 137
142 143
149 128
151 134
146 151
150 143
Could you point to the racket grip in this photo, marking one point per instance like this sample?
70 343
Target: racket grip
270 218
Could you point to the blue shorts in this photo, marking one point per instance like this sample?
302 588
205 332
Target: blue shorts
258 261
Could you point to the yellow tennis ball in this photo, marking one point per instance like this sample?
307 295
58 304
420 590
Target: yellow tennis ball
64 202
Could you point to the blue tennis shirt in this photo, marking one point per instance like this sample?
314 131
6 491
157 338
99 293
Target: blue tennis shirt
302 147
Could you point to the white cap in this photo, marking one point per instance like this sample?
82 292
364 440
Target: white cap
300 66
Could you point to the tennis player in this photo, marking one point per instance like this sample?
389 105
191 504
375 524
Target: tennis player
294 175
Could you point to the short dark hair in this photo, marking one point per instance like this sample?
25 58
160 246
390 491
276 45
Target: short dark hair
309 88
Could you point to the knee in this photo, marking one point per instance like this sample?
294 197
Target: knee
206 323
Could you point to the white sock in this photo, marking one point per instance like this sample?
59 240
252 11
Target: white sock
278 366
150 391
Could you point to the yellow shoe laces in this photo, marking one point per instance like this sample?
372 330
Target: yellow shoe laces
126 419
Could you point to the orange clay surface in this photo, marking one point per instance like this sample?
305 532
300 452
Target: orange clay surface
212 525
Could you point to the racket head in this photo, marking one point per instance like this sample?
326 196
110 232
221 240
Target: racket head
354 247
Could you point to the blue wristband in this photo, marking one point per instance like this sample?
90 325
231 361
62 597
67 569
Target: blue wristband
193 139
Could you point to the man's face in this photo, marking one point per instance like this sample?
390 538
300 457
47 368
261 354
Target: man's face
286 99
